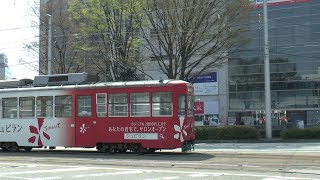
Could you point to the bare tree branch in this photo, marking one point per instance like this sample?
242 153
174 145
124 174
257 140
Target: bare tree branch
188 33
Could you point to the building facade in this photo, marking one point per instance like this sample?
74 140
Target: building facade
294 39
5 72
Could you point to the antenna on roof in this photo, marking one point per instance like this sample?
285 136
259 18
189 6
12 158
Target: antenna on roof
161 80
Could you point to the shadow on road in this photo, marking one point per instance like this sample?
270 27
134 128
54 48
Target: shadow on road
85 154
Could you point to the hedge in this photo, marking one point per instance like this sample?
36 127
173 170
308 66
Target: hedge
306 133
249 132
226 133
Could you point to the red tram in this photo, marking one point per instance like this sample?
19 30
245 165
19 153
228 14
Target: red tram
141 116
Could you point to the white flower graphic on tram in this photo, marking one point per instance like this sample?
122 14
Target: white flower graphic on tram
83 128
179 130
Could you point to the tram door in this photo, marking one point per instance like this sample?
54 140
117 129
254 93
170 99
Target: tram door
85 121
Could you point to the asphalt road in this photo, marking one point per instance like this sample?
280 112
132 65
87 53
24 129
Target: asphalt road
225 161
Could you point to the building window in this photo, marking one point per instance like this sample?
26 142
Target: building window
118 105
84 106
9 107
140 104
162 104
26 107
63 106
45 106
101 105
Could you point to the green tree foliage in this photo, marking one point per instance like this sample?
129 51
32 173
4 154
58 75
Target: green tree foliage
191 37
110 32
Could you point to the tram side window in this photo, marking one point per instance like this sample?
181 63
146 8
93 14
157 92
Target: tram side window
44 106
118 105
9 107
182 105
26 107
190 105
63 107
140 104
162 104
84 106
101 105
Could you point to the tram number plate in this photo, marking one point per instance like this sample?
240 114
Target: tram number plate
146 136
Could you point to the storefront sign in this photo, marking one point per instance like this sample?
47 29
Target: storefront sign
211 77
206 84
259 3
231 121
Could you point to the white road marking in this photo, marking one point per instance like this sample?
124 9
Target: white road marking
199 175
48 171
307 171
46 178
173 162
13 177
16 177
173 177
82 168
112 173
193 163
284 178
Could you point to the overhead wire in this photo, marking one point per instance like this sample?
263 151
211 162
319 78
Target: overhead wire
17 28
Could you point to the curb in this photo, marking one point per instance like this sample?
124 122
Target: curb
261 141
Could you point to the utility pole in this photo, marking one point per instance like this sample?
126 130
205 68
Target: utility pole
49 45
113 52
267 73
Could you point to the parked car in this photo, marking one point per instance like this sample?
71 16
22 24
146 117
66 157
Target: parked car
212 121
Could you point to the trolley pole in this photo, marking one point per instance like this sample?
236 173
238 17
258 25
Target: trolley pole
49 45
267 73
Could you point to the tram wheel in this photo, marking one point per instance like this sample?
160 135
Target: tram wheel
122 150
140 150
14 147
5 149
110 151
151 150
28 149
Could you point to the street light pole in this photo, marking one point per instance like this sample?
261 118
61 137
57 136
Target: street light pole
49 45
267 73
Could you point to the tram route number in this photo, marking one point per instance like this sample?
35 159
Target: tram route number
146 136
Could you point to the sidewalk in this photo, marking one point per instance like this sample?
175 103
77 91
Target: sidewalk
273 146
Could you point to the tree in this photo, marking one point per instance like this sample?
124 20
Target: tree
111 28
191 37
65 57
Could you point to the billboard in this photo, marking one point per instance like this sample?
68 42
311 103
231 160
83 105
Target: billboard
206 84
259 3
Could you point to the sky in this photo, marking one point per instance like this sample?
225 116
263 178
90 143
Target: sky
16 30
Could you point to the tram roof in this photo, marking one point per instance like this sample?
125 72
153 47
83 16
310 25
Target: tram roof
147 83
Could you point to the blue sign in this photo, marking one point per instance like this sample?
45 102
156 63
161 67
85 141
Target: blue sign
211 77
